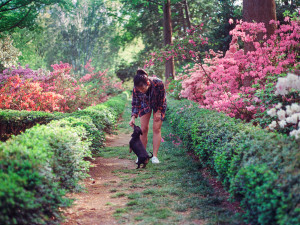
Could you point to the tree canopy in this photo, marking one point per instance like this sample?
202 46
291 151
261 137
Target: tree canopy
23 13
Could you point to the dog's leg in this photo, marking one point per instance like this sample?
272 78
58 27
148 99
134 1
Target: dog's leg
138 166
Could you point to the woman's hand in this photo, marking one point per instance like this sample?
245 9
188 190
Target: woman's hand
132 121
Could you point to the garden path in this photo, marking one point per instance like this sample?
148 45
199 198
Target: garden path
96 205
176 191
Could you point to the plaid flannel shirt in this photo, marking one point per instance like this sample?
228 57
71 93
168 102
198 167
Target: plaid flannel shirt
154 99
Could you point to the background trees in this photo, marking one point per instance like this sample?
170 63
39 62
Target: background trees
76 31
23 13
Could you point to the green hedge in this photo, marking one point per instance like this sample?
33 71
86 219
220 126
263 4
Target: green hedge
39 166
104 117
13 122
260 169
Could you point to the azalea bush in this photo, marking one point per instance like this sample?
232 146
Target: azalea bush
186 47
287 114
25 73
230 83
59 90
98 84
26 95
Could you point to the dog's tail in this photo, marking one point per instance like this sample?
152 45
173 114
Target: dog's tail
151 155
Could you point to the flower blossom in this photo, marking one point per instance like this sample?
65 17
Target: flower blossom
273 125
281 114
272 112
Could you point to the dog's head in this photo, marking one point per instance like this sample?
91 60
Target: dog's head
137 131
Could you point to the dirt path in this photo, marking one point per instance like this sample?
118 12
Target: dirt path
176 191
97 205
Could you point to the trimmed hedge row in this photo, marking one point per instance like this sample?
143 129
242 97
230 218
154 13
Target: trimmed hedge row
13 122
39 166
261 169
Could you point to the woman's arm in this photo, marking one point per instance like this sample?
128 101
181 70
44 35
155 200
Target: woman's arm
162 102
135 107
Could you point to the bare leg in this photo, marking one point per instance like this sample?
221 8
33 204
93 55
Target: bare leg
145 127
157 123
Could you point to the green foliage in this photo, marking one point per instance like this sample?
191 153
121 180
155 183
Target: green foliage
254 185
39 166
15 121
286 8
259 168
105 115
174 88
97 137
27 196
23 13
269 99
126 71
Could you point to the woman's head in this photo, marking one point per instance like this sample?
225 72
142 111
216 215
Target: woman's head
141 81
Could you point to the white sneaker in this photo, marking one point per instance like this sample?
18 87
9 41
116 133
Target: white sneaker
155 160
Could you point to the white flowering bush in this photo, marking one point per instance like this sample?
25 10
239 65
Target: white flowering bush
287 115
8 53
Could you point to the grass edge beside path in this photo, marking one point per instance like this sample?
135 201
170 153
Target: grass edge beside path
172 192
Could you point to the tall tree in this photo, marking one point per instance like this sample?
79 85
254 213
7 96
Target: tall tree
169 66
187 13
259 11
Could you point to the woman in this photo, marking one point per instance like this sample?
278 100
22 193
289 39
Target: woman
149 95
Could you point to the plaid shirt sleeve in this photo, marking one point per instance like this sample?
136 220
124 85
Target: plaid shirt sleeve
162 97
135 104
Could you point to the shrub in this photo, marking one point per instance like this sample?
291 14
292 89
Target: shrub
259 168
15 121
97 137
26 95
26 195
40 165
105 115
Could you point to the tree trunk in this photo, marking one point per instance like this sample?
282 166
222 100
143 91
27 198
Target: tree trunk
181 11
259 11
169 66
187 14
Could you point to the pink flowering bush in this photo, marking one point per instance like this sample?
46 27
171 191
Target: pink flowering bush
91 89
27 95
99 85
183 48
229 83
62 82
39 75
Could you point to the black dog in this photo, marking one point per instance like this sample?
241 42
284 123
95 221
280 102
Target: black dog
138 148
